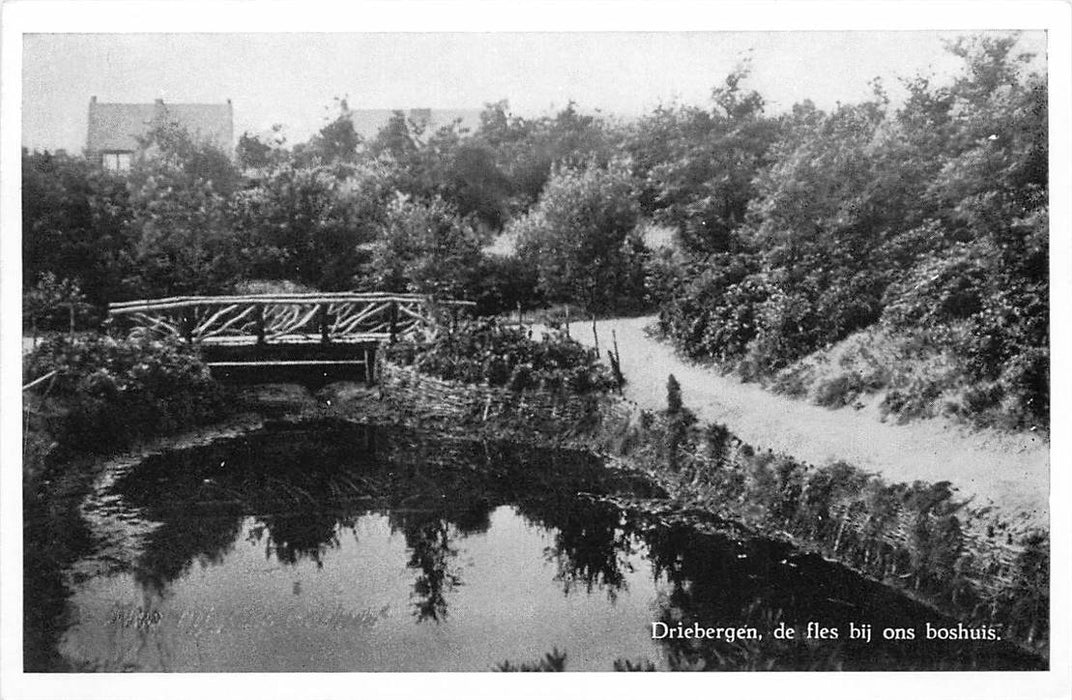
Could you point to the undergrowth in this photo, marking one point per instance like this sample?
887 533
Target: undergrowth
106 393
910 377
484 351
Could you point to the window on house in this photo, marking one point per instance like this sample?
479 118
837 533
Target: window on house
117 162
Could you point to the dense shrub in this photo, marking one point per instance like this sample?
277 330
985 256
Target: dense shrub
581 237
424 246
179 194
308 224
503 283
839 391
53 304
108 392
76 225
485 352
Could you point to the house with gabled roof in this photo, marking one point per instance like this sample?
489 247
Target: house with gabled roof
115 130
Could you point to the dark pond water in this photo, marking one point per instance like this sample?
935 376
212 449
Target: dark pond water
349 548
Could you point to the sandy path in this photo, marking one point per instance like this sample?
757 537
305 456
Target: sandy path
1008 471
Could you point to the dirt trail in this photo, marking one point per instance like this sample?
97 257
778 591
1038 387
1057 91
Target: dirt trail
1007 471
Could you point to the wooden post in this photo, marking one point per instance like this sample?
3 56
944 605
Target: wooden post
520 322
188 324
370 368
567 321
258 320
324 324
393 315
595 334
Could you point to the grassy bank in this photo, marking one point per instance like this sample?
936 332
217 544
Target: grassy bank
908 378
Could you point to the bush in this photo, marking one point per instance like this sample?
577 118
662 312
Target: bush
55 304
485 352
501 284
427 248
108 392
581 239
839 391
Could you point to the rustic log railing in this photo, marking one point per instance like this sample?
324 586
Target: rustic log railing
262 319
321 331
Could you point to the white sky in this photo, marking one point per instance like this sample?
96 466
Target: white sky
292 78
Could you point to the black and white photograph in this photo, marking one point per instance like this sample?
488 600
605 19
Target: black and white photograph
389 344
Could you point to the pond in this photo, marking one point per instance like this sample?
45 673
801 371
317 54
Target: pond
341 547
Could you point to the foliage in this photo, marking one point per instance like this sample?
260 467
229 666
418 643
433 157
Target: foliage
336 143
697 167
111 392
425 247
678 422
553 660
254 152
76 225
502 283
930 216
970 561
178 196
792 232
528 150
581 238
54 304
311 225
485 352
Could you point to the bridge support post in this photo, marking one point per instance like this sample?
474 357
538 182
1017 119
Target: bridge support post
393 313
187 324
258 318
325 324
370 366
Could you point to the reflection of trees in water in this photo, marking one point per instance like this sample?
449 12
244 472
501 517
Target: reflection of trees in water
591 549
171 549
55 535
307 486
720 581
428 535
431 554
294 537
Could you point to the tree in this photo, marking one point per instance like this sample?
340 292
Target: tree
256 152
311 225
697 167
581 238
425 247
399 138
932 217
76 224
53 303
179 193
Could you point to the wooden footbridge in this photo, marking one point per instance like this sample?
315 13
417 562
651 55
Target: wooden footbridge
257 332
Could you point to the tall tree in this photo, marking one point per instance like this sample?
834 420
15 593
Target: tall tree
581 237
